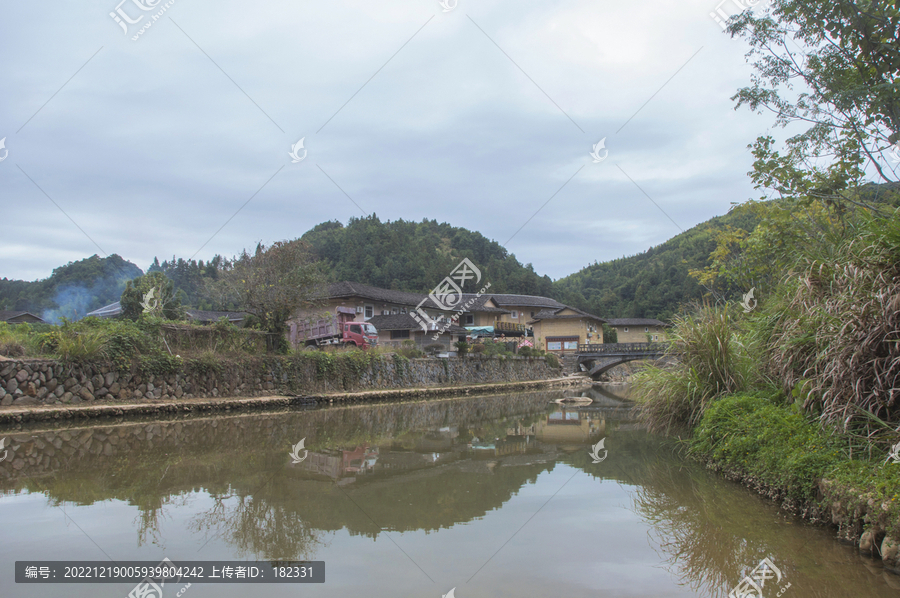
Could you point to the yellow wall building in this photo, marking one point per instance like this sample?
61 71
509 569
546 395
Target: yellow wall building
561 330
639 330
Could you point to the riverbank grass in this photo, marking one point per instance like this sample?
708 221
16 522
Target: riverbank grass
764 443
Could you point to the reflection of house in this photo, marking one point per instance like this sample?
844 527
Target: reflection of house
562 329
437 440
569 426
397 460
510 445
337 464
327 464
362 459
19 317
636 330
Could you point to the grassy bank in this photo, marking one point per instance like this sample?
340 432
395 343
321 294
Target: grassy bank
766 444
797 395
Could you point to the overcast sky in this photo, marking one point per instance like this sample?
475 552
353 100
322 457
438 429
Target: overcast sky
476 116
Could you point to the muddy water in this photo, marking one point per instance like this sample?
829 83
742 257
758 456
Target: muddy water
494 496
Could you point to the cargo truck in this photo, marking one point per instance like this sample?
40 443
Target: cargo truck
338 328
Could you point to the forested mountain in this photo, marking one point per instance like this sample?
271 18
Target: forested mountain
416 256
72 290
653 284
189 277
409 256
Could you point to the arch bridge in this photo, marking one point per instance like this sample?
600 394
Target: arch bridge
596 359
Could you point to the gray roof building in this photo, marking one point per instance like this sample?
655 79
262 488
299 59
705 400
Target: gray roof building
19 317
636 322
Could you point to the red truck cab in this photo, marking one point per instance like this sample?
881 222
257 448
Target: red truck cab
361 334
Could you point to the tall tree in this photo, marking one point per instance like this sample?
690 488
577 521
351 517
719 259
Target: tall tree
831 68
273 283
151 293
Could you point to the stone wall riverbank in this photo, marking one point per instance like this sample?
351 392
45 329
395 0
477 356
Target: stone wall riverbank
15 418
39 382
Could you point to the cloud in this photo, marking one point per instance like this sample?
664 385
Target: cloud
150 148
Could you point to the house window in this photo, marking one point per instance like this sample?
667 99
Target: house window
626 329
385 312
397 334
470 320
532 314
395 311
402 310
656 337
514 315
370 311
646 329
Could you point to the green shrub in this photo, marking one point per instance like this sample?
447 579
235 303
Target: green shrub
478 348
435 348
552 361
525 351
73 343
753 435
711 359
462 347
409 350
207 363
492 347
160 364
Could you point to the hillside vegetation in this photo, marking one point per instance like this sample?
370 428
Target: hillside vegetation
72 290
416 256
653 284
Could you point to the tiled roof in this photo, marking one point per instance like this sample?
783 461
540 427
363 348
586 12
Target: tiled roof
505 300
553 314
7 315
107 311
202 315
479 304
364 291
635 322
406 322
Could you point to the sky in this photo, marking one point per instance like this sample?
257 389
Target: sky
176 139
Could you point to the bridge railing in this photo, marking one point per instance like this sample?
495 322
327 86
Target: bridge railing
623 348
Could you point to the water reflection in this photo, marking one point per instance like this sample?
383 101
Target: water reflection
423 466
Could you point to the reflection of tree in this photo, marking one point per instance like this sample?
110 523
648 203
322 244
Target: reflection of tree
261 526
239 462
691 525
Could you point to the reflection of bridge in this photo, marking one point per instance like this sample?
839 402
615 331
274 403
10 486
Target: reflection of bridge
596 359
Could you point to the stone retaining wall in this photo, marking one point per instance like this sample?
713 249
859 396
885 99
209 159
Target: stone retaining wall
41 382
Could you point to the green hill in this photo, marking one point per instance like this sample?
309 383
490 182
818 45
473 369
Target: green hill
416 256
653 284
409 256
72 290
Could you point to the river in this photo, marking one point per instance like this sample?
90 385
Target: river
490 496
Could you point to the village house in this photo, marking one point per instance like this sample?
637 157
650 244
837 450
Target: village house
19 317
198 316
562 329
504 313
388 310
638 330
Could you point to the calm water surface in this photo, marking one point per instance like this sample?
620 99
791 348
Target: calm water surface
496 496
